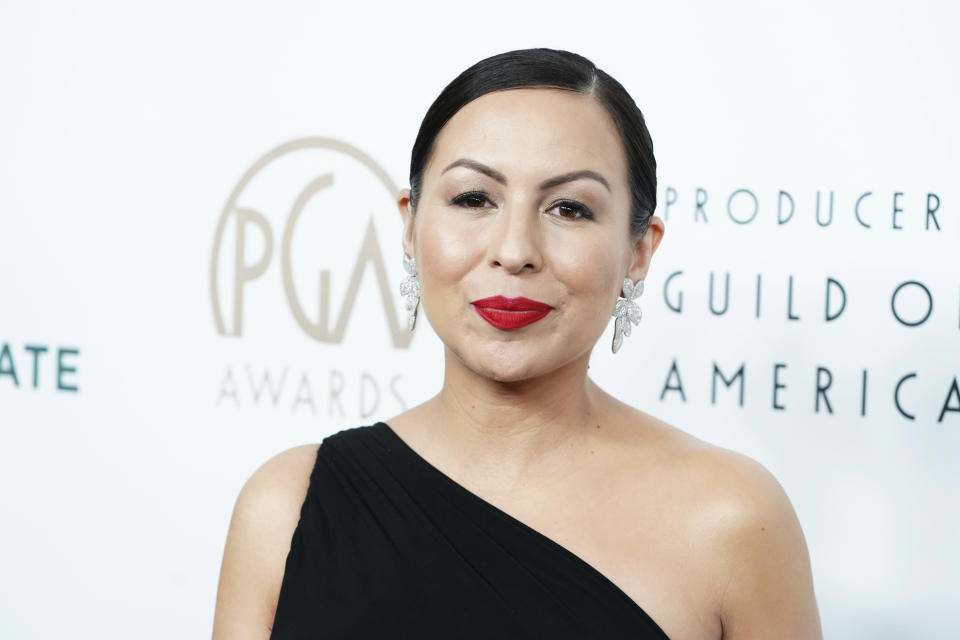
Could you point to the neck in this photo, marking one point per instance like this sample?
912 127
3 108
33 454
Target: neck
514 426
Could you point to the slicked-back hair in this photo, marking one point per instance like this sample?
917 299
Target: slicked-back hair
553 69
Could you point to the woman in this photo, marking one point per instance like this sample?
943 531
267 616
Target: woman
522 501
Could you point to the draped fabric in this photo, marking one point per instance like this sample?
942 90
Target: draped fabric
388 546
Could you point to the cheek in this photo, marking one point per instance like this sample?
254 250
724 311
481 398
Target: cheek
591 274
446 251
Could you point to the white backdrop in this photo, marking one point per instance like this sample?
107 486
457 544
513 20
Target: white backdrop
146 370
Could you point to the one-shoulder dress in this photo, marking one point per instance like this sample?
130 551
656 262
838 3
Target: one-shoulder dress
388 546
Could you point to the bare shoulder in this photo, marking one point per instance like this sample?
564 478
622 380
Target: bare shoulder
736 490
283 479
762 560
746 534
264 518
732 483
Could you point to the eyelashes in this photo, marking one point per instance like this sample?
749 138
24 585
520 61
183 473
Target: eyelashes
470 199
475 199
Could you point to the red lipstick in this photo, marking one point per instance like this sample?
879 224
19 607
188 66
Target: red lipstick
510 313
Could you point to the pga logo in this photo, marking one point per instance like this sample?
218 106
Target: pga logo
323 174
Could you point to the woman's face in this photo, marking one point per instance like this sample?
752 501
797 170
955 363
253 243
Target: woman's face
525 195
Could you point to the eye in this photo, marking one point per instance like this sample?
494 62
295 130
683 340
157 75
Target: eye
470 199
571 210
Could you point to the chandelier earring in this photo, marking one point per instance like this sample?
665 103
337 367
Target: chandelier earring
410 290
626 312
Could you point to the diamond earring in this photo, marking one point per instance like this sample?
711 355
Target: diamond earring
626 311
410 290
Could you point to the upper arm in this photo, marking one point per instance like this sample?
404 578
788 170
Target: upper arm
264 518
767 582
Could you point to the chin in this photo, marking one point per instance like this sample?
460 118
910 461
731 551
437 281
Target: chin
505 366
505 376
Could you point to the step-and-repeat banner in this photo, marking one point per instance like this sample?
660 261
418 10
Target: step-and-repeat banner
200 262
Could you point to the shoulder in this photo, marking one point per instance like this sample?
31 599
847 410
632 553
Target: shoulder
728 494
761 559
279 483
733 490
264 518
270 500
731 486
719 490
745 534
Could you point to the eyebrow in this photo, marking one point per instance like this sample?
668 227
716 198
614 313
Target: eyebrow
546 184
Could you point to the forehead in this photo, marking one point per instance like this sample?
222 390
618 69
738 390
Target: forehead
534 131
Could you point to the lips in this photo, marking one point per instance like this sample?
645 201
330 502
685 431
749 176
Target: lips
510 313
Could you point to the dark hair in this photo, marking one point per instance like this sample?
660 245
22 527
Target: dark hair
556 69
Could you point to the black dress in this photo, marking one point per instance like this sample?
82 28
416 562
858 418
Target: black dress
388 546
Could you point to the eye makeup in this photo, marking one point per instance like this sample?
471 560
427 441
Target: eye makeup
475 199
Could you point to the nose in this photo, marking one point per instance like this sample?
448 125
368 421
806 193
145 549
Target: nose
515 240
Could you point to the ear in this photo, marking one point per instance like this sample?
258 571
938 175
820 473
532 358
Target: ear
406 212
644 248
